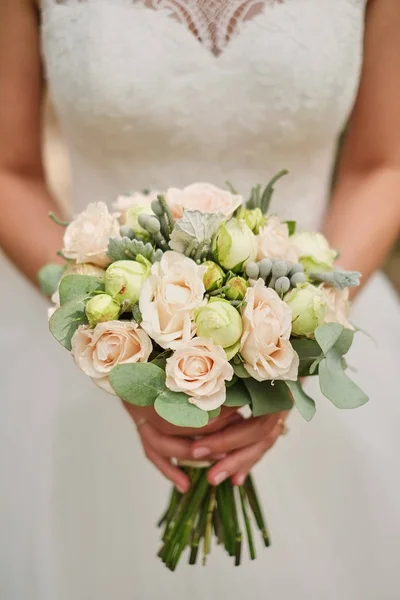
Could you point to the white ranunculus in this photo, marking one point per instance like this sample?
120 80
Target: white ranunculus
124 280
338 306
199 369
274 241
169 298
204 197
96 351
86 237
265 345
234 245
219 321
314 251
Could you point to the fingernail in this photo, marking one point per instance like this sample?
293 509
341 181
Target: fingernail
220 477
201 452
181 489
219 456
240 479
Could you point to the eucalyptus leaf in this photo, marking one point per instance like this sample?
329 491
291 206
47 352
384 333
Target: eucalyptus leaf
240 371
76 286
49 277
335 384
66 320
175 408
268 397
237 395
138 383
309 352
333 335
126 249
194 226
305 405
213 414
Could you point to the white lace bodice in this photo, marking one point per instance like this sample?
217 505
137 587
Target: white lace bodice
266 85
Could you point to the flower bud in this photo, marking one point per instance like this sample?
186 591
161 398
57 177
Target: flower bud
102 308
234 245
314 251
214 277
253 218
132 220
219 321
236 288
124 280
308 306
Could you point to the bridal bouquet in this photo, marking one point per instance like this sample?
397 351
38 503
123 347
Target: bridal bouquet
194 299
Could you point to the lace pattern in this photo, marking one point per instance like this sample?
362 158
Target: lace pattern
213 22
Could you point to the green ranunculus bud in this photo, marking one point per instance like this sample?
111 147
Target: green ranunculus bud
253 218
124 279
102 308
308 305
214 277
132 220
220 321
236 288
234 245
314 252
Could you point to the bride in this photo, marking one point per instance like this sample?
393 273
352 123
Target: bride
154 93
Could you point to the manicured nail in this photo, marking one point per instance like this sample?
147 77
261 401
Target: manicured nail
219 456
181 489
220 477
201 452
240 479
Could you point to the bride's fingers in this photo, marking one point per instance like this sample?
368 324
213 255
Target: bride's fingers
170 471
236 436
165 445
240 461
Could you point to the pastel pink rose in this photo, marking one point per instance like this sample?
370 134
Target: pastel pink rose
86 237
265 346
200 370
204 197
274 241
169 298
338 306
96 351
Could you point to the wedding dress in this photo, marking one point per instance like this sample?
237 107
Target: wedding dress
168 92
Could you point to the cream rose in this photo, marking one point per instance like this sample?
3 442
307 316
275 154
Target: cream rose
265 345
169 298
86 237
338 306
199 369
138 199
274 241
96 351
204 197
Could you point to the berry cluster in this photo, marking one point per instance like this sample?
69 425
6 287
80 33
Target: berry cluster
280 275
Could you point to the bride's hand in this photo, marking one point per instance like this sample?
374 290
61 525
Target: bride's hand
163 442
244 443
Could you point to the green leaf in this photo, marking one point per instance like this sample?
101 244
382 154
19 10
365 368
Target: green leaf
66 320
269 190
49 277
309 351
335 384
267 397
127 249
138 383
291 227
175 408
240 371
333 335
78 286
305 405
237 395
213 414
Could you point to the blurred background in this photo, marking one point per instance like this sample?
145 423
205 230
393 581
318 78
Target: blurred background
56 161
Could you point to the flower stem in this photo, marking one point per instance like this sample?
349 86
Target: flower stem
256 508
243 501
208 527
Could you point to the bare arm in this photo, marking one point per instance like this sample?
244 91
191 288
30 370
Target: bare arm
27 235
364 219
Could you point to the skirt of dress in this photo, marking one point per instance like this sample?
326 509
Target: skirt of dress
79 502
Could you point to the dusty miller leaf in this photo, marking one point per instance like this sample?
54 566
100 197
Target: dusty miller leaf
194 226
126 249
338 278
